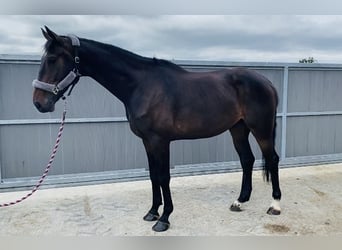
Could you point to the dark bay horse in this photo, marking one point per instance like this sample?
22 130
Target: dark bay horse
164 102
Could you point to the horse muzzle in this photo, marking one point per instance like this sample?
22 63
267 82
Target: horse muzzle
48 106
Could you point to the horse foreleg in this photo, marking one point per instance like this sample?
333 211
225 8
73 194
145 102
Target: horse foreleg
163 223
153 214
158 152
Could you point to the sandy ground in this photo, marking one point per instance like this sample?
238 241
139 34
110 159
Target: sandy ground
311 205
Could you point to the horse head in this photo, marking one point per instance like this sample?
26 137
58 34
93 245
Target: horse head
58 70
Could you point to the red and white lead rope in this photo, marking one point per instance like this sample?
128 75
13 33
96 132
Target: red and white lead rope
52 157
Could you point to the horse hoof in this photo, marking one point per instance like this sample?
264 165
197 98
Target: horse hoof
236 207
161 226
273 211
151 217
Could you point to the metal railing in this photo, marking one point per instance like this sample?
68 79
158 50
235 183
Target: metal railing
284 114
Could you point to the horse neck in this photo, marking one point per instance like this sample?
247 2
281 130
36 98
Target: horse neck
115 69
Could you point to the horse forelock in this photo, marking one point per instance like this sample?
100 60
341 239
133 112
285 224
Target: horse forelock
48 46
51 45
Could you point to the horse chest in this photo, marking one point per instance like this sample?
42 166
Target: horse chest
138 124
135 129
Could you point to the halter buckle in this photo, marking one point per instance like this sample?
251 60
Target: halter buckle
55 90
77 59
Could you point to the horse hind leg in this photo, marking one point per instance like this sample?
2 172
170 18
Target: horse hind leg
240 133
271 165
271 168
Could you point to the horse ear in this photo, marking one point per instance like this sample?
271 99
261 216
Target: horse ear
50 35
45 34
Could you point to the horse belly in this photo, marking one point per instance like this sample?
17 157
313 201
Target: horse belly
203 128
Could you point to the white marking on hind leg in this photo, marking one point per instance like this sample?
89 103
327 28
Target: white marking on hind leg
276 205
236 206
236 203
274 209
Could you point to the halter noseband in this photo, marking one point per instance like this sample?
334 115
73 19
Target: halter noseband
70 80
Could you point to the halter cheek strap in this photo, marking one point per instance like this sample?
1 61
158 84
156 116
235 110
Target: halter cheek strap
70 80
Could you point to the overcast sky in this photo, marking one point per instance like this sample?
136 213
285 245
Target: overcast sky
255 38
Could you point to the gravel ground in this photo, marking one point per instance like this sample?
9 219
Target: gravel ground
311 205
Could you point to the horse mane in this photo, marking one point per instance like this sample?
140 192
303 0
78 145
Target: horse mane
128 54
166 63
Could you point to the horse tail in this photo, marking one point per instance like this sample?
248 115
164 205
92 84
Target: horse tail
275 117
266 167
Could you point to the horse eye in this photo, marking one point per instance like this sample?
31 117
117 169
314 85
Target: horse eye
51 59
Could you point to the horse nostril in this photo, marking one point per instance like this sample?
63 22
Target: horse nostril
37 104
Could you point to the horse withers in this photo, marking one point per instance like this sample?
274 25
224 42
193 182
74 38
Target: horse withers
164 102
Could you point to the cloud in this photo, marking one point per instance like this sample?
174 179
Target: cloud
204 37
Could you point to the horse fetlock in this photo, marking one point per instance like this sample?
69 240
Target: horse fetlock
274 209
276 195
168 209
244 197
151 216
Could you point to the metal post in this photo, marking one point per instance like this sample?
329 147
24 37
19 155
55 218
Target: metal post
284 113
0 160
0 165
0 172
